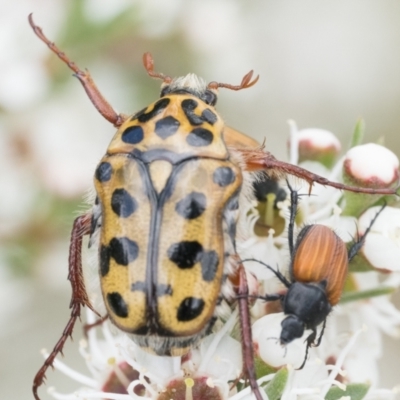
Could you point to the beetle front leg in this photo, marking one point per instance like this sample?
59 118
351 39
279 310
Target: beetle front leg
79 296
310 341
259 160
97 99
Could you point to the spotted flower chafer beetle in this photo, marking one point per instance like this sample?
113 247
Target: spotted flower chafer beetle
170 191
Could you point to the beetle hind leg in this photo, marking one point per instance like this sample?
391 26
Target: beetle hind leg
79 296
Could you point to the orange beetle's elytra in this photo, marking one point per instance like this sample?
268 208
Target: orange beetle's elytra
318 269
168 201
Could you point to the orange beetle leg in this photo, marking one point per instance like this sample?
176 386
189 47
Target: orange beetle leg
79 296
97 99
245 325
259 160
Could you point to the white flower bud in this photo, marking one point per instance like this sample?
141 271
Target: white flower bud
371 165
266 333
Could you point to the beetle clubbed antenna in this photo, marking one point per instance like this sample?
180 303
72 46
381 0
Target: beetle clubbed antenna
246 83
148 63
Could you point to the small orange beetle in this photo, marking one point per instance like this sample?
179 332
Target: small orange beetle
318 270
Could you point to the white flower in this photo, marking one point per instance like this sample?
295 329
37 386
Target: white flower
382 244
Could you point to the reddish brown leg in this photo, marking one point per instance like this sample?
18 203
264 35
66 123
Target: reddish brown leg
247 341
101 104
79 296
257 160
88 327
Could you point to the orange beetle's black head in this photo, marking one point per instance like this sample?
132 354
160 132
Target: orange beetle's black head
292 328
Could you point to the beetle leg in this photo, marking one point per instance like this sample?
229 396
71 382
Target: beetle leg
277 273
259 160
247 342
294 199
88 327
271 297
97 99
79 296
310 341
355 248
321 334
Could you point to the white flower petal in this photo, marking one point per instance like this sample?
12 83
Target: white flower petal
266 333
225 363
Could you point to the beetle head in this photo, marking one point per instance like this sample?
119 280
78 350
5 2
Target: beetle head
192 84
292 328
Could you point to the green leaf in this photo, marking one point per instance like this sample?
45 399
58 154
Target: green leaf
366 294
359 263
262 368
276 386
358 133
356 391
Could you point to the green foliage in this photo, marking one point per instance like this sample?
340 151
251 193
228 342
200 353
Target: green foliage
356 391
275 388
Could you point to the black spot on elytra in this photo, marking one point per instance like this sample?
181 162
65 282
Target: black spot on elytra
209 265
122 203
185 254
104 257
223 176
103 172
190 308
160 105
192 206
123 250
166 127
133 135
117 304
139 113
199 137
208 116
188 107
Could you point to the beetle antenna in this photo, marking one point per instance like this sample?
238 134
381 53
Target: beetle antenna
148 63
277 273
355 248
246 83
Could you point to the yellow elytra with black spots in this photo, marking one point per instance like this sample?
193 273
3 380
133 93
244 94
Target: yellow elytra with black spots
167 207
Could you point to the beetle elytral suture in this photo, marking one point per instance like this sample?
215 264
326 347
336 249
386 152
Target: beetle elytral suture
318 270
169 195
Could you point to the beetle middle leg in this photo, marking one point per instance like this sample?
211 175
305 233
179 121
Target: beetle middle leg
98 322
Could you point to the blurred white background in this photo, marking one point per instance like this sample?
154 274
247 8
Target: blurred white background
322 63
